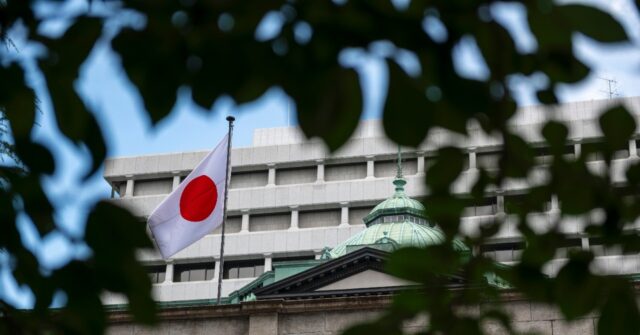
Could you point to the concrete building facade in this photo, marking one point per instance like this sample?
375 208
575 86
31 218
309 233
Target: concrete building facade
332 316
289 198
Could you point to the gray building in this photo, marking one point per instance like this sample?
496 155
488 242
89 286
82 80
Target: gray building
289 198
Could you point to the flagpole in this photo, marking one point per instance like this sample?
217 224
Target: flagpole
230 119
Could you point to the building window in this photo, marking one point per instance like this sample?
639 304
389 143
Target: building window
523 203
243 269
503 252
156 273
399 218
153 187
488 160
594 151
481 207
598 247
544 156
568 246
193 272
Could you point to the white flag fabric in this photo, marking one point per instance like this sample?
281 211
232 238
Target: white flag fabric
195 208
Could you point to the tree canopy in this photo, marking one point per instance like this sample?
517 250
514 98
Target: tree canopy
212 48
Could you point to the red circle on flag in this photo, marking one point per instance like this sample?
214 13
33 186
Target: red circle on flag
198 199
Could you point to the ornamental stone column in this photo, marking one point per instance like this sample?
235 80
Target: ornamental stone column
500 202
294 218
370 167
271 178
245 221
633 148
344 214
176 180
216 269
128 193
473 164
577 147
268 262
420 167
320 173
168 277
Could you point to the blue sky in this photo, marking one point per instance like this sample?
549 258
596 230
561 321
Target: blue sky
128 130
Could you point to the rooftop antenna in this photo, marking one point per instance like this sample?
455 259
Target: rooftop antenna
612 87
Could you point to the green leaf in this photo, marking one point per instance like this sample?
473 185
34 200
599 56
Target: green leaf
593 22
446 169
619 315
61 68
577 291
561 66
146 66
83 312
517 158
550 31
36 156
633 174
547 97
408 114
567 177
329 105
436 262
17 100
116 265
618 126
556 133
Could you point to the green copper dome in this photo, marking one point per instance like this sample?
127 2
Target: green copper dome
397 222
399 234
393 208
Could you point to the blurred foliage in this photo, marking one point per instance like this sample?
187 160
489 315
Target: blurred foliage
215 49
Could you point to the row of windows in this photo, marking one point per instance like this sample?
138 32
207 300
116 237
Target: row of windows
501 252
354 171
399 218
512 251
206 271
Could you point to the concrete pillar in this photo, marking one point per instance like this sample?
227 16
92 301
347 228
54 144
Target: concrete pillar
268 261
473 164
216 269
245 221
577 148
370 167
420 162
320 175
554 203
344 214
475 250
263 324
271 179
168 275
130 185
176 180
499 202
633 148
294 218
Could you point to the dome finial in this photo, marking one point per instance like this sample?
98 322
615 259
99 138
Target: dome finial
399 170
399 182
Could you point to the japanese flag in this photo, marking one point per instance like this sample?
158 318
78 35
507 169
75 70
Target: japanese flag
195 208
